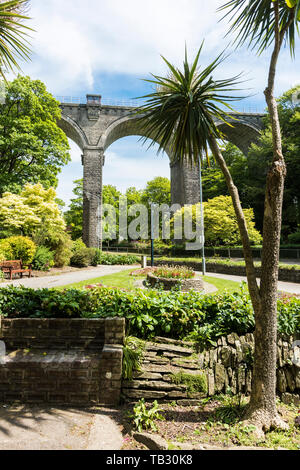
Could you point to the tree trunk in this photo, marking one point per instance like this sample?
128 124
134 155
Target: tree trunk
233 191
262 410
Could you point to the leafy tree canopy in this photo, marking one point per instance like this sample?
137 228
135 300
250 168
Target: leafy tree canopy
32 147
34 208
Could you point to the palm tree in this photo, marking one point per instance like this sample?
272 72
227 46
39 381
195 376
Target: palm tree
261 24
13 42
181 115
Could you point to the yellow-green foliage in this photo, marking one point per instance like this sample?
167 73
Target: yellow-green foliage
2 255
15 248
34 208
196 383
220 223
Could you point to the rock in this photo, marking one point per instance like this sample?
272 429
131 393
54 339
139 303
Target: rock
151 441
226 353
210 383
147 376
220 377
213 357
147 394
290 380
281 381
159 339
232 338
241 379
158 368
153 384
169 348
186 364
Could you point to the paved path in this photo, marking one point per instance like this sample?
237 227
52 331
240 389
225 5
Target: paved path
65 279
45 428
91 273
289 287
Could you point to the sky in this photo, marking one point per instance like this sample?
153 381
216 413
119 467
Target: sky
109 46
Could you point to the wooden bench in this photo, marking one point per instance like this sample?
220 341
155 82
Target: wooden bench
15 267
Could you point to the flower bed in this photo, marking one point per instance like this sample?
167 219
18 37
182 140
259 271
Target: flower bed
168 283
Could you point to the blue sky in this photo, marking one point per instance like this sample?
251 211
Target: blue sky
108 46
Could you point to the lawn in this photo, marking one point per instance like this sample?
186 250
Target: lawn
123 280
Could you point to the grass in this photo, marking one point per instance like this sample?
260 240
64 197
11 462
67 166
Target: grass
123 280
223 284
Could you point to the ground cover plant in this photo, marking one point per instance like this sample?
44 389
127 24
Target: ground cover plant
149 313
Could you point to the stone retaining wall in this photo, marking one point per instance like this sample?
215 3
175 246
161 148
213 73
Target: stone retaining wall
185 285
286 275
229 365
62 361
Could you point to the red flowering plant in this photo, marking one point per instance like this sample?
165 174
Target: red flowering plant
177 272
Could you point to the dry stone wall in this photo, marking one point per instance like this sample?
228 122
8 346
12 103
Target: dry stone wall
227 366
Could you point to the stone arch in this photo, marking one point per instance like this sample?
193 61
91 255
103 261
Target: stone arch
73 131
123 127
242 134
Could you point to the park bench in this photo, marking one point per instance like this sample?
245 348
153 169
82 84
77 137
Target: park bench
14 267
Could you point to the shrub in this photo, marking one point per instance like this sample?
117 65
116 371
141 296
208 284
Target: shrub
112 259
59 242
21 302
43 259
18 248
2 255
77 245
203 318
83 257
294 238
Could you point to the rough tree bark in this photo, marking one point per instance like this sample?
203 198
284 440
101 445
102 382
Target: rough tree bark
262 408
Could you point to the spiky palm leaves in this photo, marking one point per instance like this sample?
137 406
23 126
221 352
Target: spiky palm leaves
254 21
182 113
13 42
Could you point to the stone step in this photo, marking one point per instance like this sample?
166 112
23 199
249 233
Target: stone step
193 365
179 350
154 385
147 394
159 339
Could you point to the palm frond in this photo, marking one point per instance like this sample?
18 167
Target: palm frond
14 44
182 114
254 22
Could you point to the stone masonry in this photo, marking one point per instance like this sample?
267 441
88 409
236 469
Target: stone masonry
227 366
95 127
62 361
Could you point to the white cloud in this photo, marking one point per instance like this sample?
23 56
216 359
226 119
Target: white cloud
76 39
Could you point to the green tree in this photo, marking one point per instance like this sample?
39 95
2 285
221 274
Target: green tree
157 191
221 226
32 147
220 223
34 208
73 216
134 196
13 34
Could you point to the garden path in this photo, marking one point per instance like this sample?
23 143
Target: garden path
65 279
